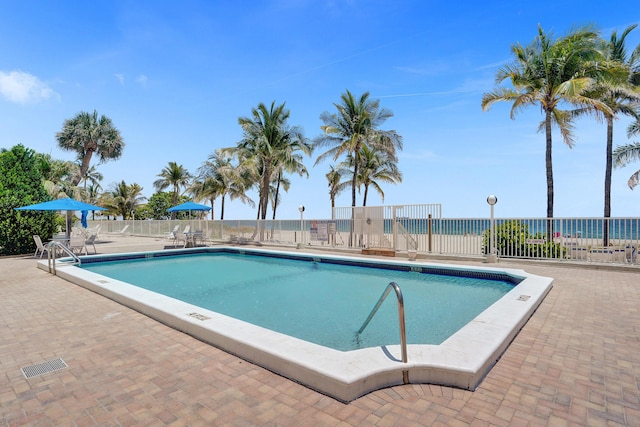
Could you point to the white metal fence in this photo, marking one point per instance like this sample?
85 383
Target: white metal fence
611 240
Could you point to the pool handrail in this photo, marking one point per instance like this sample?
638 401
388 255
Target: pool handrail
403 333
52 248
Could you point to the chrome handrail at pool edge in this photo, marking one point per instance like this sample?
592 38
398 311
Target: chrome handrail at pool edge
403 333
52 248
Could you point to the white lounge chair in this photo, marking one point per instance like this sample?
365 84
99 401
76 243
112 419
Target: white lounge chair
91 241
180 237
95 231
172 234
77 245
121 232
79 231
39 246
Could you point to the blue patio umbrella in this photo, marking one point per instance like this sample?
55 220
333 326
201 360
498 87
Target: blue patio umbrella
189 206
65 204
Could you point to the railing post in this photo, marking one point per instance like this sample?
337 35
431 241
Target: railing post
429 232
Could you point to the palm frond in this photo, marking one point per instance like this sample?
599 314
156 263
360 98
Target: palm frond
634 180
626 154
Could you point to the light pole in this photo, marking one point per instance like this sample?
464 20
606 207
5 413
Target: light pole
301 244
491 256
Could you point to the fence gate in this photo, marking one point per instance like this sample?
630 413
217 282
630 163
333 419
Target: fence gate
390 227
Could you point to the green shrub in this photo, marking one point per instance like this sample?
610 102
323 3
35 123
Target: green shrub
511 238
514 239
20 185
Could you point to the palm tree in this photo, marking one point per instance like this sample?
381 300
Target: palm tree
376 167
173 175
268 146
91 175
356 125
135 197
290 161
617 92
281 183
87 134
124 198
93 196
549 73
336 184
622 98
206 188
220 178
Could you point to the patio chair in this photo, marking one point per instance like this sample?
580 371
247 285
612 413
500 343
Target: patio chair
95 231
206 238
77 245
630 254
197 238
91 241
172 234
187 228
180 237
79 231
121 232
39 246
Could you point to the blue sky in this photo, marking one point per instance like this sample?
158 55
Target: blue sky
175 76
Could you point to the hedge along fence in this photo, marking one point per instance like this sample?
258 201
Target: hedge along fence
514 240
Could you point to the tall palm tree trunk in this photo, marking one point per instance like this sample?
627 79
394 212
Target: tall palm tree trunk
354 182
549 168
277 193
275 204
607 182
174 200
84 167
353 205
366 192
264 198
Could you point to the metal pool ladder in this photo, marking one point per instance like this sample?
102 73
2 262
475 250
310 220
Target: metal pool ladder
52 248
403 333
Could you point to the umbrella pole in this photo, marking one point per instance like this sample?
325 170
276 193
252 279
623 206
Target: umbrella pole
68 223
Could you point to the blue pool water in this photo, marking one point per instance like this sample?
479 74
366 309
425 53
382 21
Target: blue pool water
320 302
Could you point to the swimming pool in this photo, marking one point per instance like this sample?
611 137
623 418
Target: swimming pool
321 302
461 360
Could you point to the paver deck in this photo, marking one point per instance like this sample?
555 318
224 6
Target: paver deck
576 362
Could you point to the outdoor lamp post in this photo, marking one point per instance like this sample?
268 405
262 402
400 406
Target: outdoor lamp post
301 209
491 256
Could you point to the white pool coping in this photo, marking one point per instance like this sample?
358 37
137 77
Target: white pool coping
460 361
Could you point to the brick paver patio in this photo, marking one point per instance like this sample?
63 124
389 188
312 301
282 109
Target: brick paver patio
576 362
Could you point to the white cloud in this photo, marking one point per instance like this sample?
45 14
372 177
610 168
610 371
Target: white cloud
120 78
24 88
142 80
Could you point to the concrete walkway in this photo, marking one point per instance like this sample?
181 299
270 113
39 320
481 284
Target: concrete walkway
576 362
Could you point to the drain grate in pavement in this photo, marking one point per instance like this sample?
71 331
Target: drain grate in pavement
198 316
43 368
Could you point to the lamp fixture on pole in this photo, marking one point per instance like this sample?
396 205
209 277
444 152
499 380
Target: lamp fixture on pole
301 244
492 256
